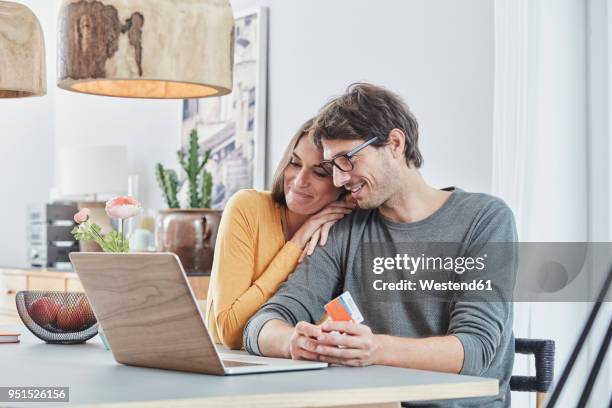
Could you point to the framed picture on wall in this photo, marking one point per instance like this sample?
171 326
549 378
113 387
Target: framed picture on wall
233 126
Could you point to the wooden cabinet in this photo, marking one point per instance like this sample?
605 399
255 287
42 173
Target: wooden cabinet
45 283
14 280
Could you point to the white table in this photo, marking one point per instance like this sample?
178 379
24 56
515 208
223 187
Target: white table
95 379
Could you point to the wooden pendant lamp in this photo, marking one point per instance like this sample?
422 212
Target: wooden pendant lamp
22 52
171 49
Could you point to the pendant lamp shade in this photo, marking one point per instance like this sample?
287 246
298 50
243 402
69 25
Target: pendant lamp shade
171 49
22 52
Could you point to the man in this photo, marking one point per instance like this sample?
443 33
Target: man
370 145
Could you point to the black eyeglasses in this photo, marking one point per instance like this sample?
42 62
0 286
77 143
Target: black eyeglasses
343 161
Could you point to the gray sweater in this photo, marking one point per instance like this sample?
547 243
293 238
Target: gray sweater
484 326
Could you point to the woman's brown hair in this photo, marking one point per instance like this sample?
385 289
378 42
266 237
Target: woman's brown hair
278 181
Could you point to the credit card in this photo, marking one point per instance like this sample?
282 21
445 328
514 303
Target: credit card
343 309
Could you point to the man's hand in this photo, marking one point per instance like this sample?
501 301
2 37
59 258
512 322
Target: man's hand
353 344
303 343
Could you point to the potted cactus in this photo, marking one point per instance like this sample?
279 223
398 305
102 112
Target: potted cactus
188 232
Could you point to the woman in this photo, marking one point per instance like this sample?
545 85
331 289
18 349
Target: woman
263 236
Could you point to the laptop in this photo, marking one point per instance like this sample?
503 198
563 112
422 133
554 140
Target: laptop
151 319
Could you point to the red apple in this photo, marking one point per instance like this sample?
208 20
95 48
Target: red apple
44 310
69 318
85 310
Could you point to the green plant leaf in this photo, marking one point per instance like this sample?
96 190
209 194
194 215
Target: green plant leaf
89 231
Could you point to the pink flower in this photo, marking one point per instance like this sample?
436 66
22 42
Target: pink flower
82 216
123 207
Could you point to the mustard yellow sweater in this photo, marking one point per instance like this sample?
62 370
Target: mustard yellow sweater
251 260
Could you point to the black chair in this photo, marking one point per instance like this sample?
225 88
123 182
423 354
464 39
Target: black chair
544 353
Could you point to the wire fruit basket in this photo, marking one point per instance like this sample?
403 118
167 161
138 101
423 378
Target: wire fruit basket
57 317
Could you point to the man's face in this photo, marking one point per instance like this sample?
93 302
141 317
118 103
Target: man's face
371 180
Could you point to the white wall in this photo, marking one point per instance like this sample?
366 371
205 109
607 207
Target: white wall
26 149
437 54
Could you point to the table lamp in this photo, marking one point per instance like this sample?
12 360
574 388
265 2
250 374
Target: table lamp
90 175
85 173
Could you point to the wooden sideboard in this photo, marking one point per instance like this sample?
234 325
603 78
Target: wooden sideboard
15 280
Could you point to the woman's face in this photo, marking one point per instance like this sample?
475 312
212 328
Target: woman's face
307 187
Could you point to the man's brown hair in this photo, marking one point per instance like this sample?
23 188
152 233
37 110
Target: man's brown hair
365 111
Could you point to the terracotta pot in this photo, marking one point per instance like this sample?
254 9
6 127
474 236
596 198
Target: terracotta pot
191 234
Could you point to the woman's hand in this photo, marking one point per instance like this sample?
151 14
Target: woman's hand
302 342
319 237
316 228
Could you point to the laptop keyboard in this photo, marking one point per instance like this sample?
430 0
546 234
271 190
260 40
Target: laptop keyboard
230 363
